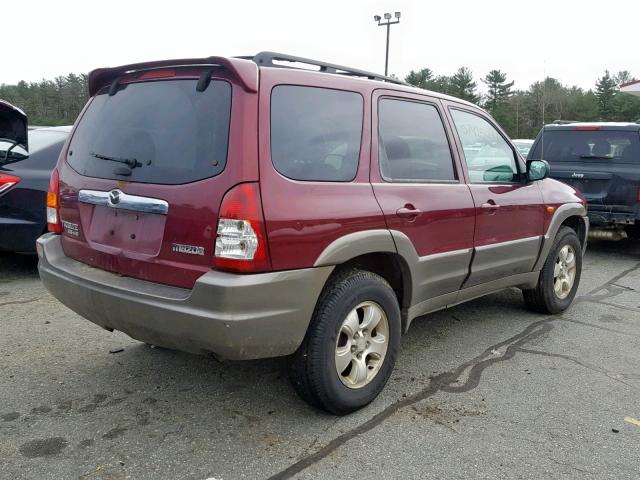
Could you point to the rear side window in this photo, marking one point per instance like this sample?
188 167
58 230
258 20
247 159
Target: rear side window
412 144
178 134
588 145
315 133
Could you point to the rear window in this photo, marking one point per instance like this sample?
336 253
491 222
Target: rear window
586 145
315 133
176 133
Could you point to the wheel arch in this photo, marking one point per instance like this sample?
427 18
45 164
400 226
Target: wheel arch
374 251
573 215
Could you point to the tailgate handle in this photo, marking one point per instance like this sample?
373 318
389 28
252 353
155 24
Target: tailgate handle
118 199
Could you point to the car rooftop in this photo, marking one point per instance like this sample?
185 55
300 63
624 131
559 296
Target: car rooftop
59 128
633 126
240 66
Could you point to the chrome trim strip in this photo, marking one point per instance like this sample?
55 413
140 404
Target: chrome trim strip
118 199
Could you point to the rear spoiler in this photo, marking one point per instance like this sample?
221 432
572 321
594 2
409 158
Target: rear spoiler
246 71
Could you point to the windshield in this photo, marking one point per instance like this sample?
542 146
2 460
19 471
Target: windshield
523 147
588 145
174 133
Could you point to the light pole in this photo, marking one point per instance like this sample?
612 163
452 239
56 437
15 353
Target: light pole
387 23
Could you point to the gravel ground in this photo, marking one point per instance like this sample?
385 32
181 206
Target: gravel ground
483 390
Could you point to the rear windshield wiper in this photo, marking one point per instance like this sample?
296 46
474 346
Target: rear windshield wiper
130 162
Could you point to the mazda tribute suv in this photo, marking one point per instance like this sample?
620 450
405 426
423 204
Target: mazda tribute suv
251 208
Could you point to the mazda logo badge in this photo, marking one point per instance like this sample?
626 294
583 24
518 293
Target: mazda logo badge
114 197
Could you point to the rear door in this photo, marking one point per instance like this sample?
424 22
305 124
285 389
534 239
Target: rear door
601 162
509 212
417 181
146 169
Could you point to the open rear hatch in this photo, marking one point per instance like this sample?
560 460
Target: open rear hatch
147 167
603 164
13 126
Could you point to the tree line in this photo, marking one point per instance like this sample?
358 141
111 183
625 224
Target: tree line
520 112
49 102
523 112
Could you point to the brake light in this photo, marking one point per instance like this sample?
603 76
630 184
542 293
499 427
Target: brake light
588 127
241 241
7 181
163 73
53 203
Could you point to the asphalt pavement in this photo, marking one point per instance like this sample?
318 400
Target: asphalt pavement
483 390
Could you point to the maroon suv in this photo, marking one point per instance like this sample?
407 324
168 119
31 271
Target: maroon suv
248 209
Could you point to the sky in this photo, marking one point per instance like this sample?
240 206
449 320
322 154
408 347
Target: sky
574 41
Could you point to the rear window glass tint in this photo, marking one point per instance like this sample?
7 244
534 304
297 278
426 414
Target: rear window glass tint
179 135
413 145
588 145
315 133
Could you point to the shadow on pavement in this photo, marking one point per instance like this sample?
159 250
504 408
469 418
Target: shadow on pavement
18 265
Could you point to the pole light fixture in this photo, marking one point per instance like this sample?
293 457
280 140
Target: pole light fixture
387 23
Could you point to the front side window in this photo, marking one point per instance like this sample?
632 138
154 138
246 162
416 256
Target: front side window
412 144
315 133
490 159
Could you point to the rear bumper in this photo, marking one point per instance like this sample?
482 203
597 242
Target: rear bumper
611 215
237 317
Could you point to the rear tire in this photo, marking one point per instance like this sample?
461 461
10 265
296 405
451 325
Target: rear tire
345 361
559 277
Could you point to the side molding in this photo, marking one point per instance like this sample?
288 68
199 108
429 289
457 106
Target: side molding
561 214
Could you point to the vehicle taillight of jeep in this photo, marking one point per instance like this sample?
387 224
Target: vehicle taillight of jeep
7 181
53 203
241 241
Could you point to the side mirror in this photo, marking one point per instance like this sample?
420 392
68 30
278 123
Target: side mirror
537 170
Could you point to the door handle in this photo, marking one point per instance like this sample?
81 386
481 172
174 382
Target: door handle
408 211
491 205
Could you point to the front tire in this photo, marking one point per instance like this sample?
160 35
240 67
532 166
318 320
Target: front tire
559 277
351 344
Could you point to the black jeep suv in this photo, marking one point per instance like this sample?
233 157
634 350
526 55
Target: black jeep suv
602 160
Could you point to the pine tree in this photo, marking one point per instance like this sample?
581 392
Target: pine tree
420 78
499 90
606 91
462 85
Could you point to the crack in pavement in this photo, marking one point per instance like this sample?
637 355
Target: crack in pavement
444 382
599 327
577 361
18 302
609 304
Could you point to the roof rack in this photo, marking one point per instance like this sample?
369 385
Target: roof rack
268 59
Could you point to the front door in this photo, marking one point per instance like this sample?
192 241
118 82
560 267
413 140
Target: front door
416 177
509 211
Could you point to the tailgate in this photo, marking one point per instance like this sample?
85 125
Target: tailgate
146 170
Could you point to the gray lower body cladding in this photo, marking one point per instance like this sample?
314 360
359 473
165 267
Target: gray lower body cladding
232 316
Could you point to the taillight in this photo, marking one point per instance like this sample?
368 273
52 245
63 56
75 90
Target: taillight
588 128
53 203
7 181
241 241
